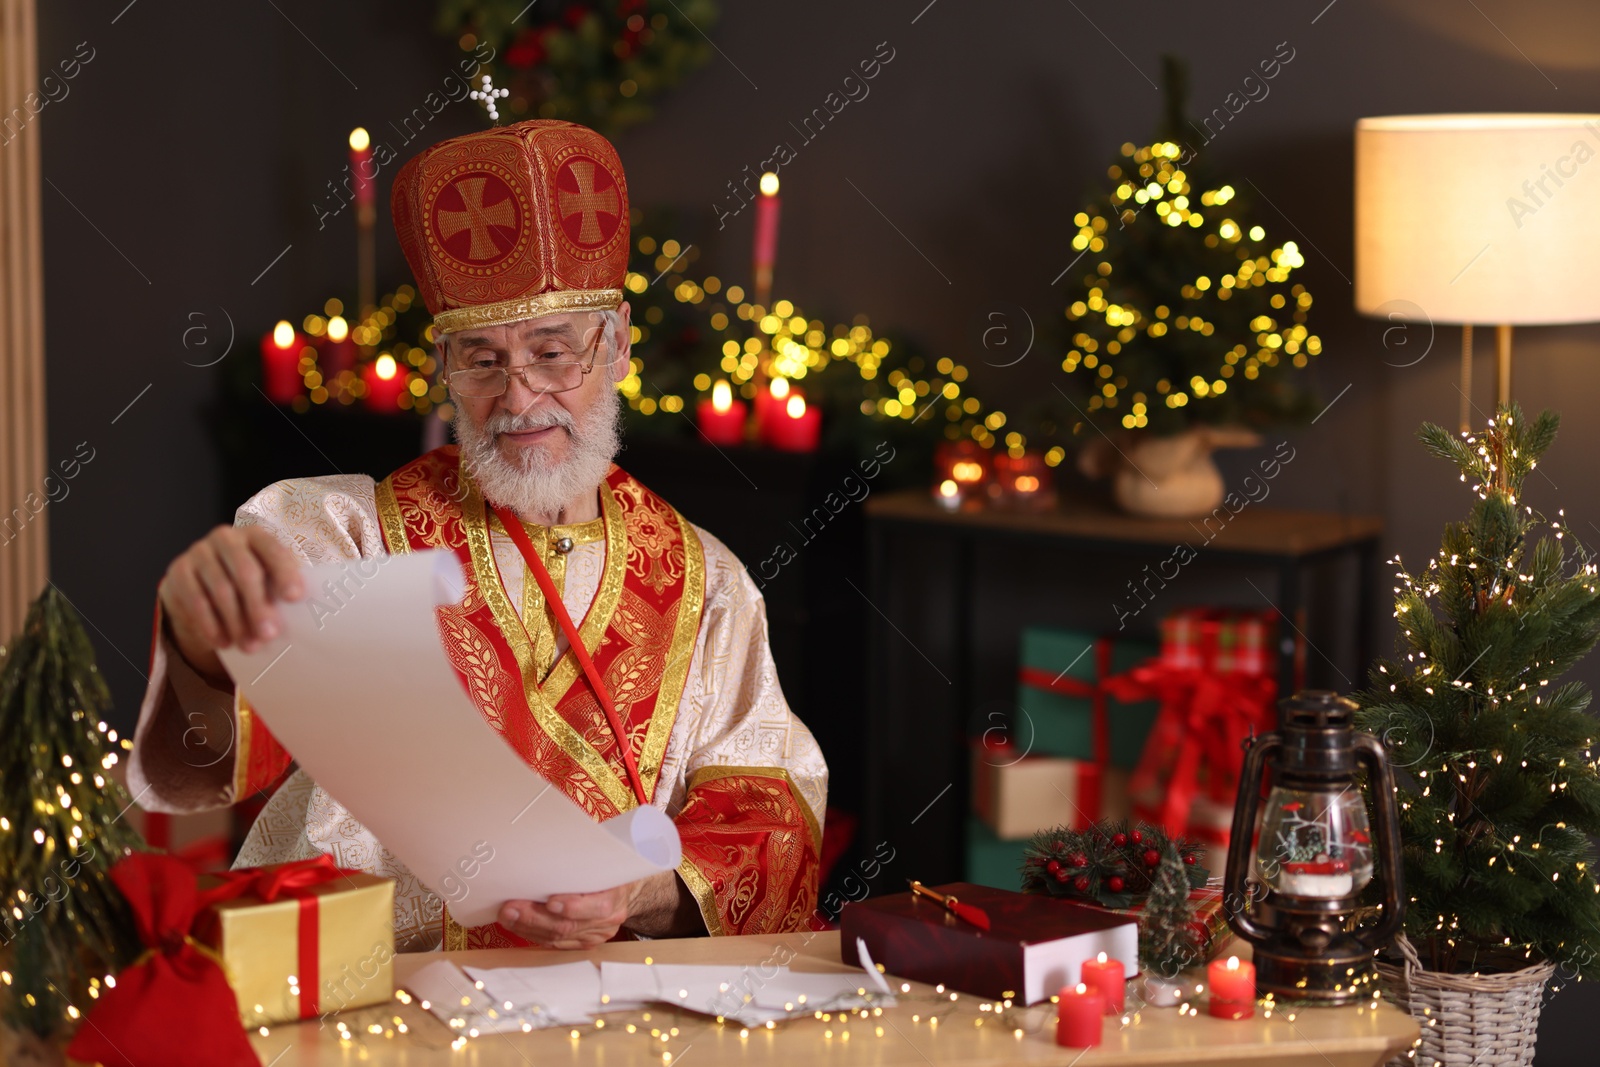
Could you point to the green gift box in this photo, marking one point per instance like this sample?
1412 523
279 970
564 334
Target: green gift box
991 860
1054 721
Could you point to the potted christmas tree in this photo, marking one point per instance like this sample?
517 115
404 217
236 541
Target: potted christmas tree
65 926
1186 323
1494 756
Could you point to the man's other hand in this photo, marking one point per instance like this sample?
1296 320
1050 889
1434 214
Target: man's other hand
586 920
220 593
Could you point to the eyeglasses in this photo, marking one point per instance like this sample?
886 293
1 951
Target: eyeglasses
544 375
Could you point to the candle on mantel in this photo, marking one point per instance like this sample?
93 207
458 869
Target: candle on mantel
949 495
361 166
766 250
1080 1020
281 379
385 381
338 351
770 402
798 428
962 465
1233 988
1108 978
721 417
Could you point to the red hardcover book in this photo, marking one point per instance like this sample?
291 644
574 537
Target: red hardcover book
1034 945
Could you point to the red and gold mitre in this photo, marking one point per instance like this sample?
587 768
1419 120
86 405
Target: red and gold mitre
513 223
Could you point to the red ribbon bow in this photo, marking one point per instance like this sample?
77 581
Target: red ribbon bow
172 1006
1204 720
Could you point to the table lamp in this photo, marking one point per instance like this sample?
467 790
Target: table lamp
1489 219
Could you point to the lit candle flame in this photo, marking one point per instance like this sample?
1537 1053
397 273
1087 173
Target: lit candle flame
385 366
1082 989
796 406
359 139
967 471
721 397
947 488
779 388
769 184
283 334
338 329
1027 483
1233 963
1100 958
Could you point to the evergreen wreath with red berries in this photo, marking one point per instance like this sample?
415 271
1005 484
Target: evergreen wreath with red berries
1108 863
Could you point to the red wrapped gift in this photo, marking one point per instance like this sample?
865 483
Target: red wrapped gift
1215 681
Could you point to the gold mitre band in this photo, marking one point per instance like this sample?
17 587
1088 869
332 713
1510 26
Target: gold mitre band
527 307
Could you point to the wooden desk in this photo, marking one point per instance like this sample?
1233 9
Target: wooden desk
1341 1037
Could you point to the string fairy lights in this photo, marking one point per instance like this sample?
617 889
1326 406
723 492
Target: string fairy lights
1172 329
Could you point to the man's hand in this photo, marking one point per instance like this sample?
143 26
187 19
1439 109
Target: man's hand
657 906
219 593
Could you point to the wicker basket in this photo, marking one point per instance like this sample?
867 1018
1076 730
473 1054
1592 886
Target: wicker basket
1485 1020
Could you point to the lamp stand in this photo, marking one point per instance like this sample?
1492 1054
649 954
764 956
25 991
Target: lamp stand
1466 377
1502 337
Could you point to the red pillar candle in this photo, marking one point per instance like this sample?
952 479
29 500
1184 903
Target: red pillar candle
280 364
361 166
797 427
766 249
721 417
1108 978
338 351
769 403
1081 1018
385 381
1233 988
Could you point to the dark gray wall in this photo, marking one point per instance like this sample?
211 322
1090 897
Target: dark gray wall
191 149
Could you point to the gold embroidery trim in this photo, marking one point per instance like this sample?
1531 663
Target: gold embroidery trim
713 773
685 631
700 887
241 765
527 307
390 521
487 576
455 935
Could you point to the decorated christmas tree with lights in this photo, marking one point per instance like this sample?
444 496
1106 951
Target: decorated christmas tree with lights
1498 786
1183 311
65 926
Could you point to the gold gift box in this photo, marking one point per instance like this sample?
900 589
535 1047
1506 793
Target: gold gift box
259 943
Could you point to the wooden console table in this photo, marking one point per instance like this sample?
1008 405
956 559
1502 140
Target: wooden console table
963 1036
914 742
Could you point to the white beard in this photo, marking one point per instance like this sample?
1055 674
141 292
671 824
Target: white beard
538 486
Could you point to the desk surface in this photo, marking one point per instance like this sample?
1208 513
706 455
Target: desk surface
961 1035
1253 530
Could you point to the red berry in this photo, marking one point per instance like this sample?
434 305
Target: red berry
1189 860
1053 866
1077 859
1151 857
1118 840
1060 876
1114 883
1081 884
1136 837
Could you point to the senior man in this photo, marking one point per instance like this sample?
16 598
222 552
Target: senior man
617 648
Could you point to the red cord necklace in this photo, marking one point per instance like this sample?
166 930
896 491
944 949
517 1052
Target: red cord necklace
513 526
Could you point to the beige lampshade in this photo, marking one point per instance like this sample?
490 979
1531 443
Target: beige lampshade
1481 219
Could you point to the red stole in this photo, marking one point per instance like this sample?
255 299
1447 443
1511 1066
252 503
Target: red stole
641 630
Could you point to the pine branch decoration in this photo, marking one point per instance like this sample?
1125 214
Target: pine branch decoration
1113 864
